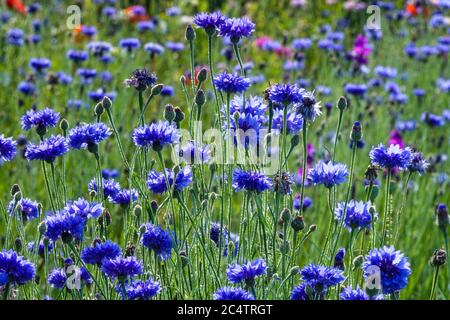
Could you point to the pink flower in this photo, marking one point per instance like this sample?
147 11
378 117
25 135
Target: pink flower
396 138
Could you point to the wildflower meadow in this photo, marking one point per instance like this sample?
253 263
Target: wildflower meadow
224 150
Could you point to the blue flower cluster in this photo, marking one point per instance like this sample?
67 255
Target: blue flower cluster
328 174
157 240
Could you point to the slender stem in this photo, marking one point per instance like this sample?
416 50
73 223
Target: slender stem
191 47
212 78
434 285
338 129
117 136
305 151
386 208
47 184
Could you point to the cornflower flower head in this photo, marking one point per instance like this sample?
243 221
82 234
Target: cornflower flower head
157 240
391 157
210 22
356 215
99 251
156 182
418 163
39 65
231 83
41 248
299 293
154 48
320 278
15 269
88 136
57 279
285 94
143 290
349 294
156 135
230 293
328 174
29 209
393 266
247 272
110 187
236 28
48 149
84 209
121 268
130 44
193 154
141 79
40 119
254 106
250 181
358 90
124 197
308 107
294 121
8 149
64 225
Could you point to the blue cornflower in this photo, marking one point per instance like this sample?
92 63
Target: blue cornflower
99 251
8 149
15 269
47 150
64 224
231 83
110 173
158 240
141 79
246 272
307 202
99 94
77 56
407 125
250 181
236 28
301 44
230 293
39 64
41 247
40 119
130 44
109 11
156 135
156 182
121 268
393 266
214 234
27 88
28 208
285 94
210 22
167 91
143 290
15 37
357 215
294 121
321 277
98 48
88 135
418 163
86 75
146 25
299 292
338 261
124 197
84 209
57 279
385 72
308 107
154 48
88 31
196 155
174 46
64 78
358 90
254 106
433 120
110 187
392 157
328 174
349 294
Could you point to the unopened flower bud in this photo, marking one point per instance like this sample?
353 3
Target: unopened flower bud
18 244
190 33
356 133
137 211
201 77
342 103
200 98
179 115
294 271
156 89
64 124
285 215
14 189
442 218
438 258
295 141
357 262
106 103
42 228
169 113
298 224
